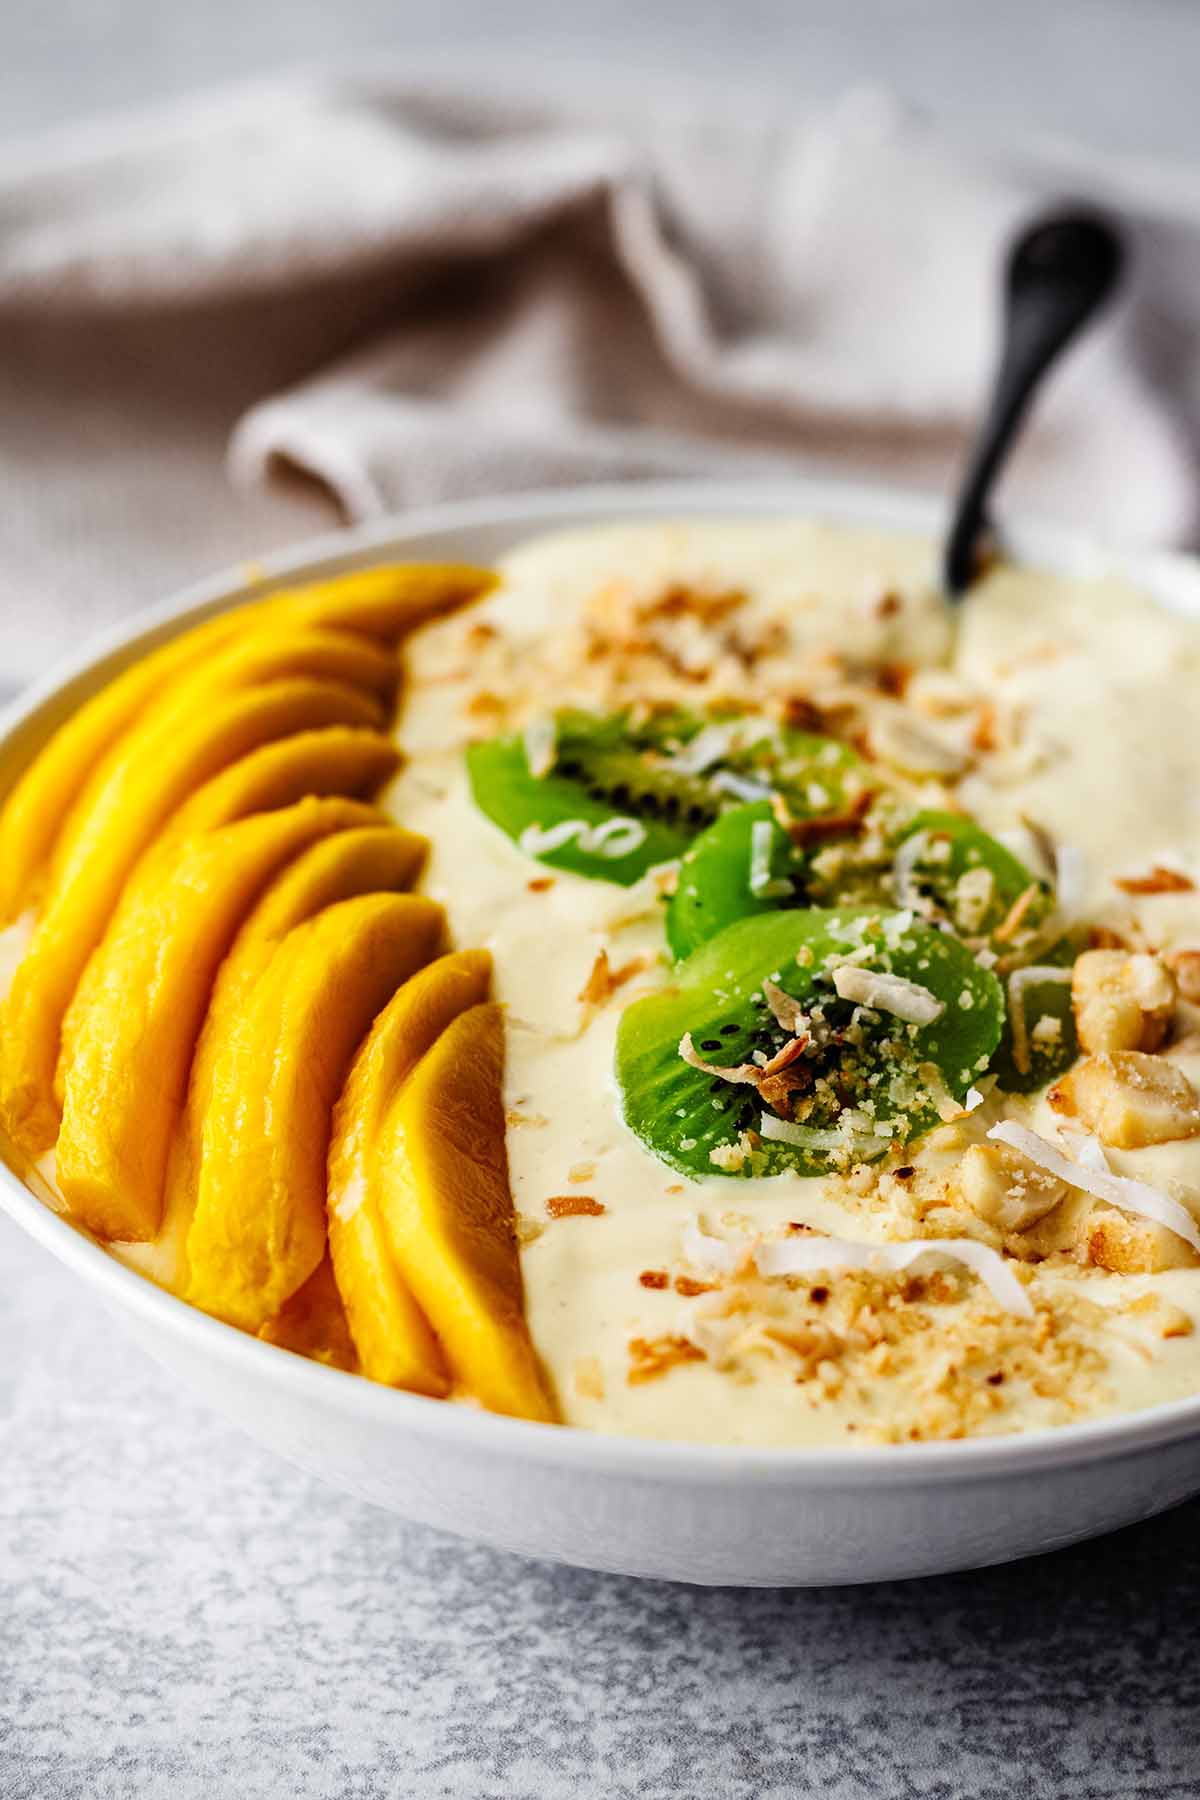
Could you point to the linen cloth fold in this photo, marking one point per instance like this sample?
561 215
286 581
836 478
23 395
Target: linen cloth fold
404 293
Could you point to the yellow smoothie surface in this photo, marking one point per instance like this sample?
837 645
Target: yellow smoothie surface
1058 715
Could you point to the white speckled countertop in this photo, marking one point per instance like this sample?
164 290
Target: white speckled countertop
183 1618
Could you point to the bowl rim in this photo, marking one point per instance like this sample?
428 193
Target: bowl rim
1169 577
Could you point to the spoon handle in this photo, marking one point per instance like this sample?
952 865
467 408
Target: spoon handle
1059 273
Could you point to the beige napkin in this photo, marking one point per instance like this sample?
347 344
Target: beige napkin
405 293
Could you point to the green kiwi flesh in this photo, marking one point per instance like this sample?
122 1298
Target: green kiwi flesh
952 847
722 879
1048 1044
861 1074
619 797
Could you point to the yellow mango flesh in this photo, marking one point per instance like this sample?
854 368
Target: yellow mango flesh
259 1227
259 654
157 767
385 602
441 1177
134 1022
374 860
35 810
381 603
338 760
313 1323
391 1334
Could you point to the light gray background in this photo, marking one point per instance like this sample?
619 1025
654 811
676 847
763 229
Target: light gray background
180 1615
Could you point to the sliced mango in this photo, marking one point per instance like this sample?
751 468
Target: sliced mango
313 1323
35 810
393 1338
263 653
377 859
133 1025
441 1178
339 760
385 602
259 1226
157 767
379 603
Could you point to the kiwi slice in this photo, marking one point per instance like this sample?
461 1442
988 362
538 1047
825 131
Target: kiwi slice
610 796
1039 1042
744 864
864 1080
973 880
600 809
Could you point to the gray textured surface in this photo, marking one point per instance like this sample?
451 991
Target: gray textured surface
183 1618
1117 73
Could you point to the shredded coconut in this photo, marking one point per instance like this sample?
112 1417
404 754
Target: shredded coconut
740 786
764 885
815 1137
541 744
894 994
1118 1190
706 748
809 1255
612 838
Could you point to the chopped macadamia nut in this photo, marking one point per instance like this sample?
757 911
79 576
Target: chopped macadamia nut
1121 1002
1129 1099
1132 1246
1185 966
1004 1188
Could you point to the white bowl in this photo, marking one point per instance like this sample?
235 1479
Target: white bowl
679 1511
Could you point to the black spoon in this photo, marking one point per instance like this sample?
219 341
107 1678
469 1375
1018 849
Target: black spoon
1059 274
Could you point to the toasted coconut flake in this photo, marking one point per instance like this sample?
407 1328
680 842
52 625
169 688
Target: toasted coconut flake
1160 880
651 1358
783 1058
1017 914
785 1011
829 825
888 993
738 1073
604 981
574 1206
1118 1190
